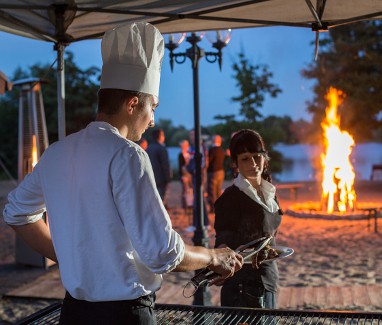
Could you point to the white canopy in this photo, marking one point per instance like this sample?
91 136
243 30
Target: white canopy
73 20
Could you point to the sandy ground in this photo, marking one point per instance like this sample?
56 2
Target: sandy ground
332 252
327 252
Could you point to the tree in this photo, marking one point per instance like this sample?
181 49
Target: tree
254 84
278 129
350 59
8 135
173 134
227 127
271 130
81 87
81 102
301 131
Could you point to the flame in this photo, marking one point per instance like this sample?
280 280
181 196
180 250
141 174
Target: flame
338 173
34 151
37 87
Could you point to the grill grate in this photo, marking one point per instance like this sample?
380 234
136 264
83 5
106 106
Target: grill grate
181 314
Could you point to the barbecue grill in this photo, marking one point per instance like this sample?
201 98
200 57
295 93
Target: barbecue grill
184 314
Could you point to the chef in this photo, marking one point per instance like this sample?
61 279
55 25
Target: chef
109 231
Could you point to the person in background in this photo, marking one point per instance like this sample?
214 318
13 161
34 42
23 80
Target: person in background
143 143
109 231
191 168
215 170
246 211
184 176
160 162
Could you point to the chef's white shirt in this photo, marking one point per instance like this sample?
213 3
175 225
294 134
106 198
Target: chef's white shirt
112 235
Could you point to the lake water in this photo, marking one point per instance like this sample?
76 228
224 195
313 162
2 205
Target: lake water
302 161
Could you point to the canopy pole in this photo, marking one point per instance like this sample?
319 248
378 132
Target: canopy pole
60 10
319 26
60 48
314 12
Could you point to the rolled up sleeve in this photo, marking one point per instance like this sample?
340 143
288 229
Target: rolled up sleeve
143 215
25 203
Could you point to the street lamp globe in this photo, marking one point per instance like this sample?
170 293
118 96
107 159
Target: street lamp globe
173 40
219 38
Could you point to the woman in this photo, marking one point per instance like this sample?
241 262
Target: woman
248 210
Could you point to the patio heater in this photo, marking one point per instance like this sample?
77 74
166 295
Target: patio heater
32 142
219 40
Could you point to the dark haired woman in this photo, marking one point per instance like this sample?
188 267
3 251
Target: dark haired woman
248 210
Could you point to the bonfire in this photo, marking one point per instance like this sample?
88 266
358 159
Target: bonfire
338 192
338 197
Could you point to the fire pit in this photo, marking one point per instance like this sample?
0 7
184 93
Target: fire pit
338 199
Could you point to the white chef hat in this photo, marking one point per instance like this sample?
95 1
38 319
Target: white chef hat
132 57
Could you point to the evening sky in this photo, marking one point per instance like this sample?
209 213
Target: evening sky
286 51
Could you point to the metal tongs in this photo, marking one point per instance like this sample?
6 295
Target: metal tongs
205 276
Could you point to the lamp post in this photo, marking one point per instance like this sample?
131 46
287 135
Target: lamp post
195 53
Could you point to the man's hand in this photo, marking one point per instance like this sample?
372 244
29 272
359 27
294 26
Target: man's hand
225 262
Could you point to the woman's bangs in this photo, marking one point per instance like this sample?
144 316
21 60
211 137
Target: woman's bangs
248 143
